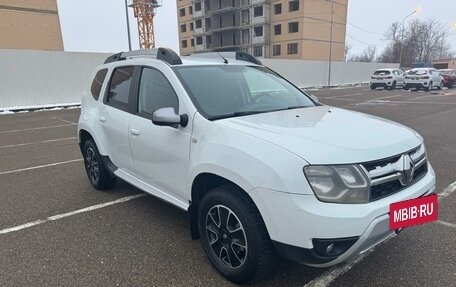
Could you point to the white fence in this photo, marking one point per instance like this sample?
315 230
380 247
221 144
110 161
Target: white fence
45 78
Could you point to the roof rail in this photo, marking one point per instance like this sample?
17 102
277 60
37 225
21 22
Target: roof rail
165 54
241 56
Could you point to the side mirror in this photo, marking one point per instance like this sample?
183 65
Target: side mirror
168 117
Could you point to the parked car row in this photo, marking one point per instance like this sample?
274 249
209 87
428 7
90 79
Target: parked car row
417 78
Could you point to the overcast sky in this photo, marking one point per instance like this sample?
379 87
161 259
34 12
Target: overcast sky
100 25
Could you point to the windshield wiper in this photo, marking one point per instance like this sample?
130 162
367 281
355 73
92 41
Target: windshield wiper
296 107
237 114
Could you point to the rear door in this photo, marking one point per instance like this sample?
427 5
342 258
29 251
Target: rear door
114 118
161 153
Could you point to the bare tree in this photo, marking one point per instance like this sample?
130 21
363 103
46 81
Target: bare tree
424 41
368 55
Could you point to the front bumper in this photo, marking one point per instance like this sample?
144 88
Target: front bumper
295 221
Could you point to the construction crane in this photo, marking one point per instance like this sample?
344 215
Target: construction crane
145 11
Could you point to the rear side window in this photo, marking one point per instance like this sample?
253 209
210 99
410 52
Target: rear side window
155 92
97 83
119 87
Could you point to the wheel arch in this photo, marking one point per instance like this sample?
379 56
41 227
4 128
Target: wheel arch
203 183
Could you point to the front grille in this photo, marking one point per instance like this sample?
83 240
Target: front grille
391 175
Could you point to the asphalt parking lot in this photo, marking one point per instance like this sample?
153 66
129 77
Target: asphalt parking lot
56 230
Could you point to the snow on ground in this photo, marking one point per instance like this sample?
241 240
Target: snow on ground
21 110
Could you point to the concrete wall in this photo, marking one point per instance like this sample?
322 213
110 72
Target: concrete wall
40 78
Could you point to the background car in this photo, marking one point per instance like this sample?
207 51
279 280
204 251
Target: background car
387 78
423 79
449 77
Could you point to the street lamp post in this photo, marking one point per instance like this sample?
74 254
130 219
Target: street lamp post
330 44
128 25
402 35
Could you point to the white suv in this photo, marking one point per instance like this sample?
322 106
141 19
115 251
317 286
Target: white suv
260 166
387 78
423 78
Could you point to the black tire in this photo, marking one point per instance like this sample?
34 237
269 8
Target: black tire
96 171
393 86
430 87
250 263
405 88
373 87
440 86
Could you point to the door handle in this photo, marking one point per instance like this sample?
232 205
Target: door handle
135 132
102 119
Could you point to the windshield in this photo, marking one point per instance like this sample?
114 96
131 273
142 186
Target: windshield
382 72
222 91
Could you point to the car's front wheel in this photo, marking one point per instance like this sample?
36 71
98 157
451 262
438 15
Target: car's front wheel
430 86
234 236
96 171
440 86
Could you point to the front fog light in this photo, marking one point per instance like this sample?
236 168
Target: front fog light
338 184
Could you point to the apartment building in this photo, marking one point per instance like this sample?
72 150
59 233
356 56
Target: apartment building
32 25
284 29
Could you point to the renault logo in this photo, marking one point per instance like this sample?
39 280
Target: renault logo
408 169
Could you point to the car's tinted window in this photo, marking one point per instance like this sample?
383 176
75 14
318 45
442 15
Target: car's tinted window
119 87
155 92
224 91
382 72
97 83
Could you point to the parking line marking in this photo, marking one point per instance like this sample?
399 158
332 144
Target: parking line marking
447 191
68 214
38 167
65 121
344 96
32 143
333 273
441 222
33 129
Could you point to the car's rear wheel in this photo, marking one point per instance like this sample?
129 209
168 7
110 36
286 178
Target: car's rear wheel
393 86
96 171
440 86
234 236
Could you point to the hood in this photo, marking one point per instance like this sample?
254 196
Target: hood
328 135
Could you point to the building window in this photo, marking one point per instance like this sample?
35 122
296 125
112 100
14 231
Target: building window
276 50
234 39
184 44
258 11
293 27
278 9
197 6
199 40
277 29
183 28
294 5
292 48
192 42
190 10
198 24
182 12
258 51
258 31
191 26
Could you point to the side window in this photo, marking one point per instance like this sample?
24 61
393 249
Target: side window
119 87
97 83
155 92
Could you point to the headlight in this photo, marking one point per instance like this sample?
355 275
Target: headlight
339 183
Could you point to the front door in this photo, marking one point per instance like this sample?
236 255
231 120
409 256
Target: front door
161 153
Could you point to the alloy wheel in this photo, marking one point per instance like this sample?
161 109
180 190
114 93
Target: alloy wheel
226 236
92 165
